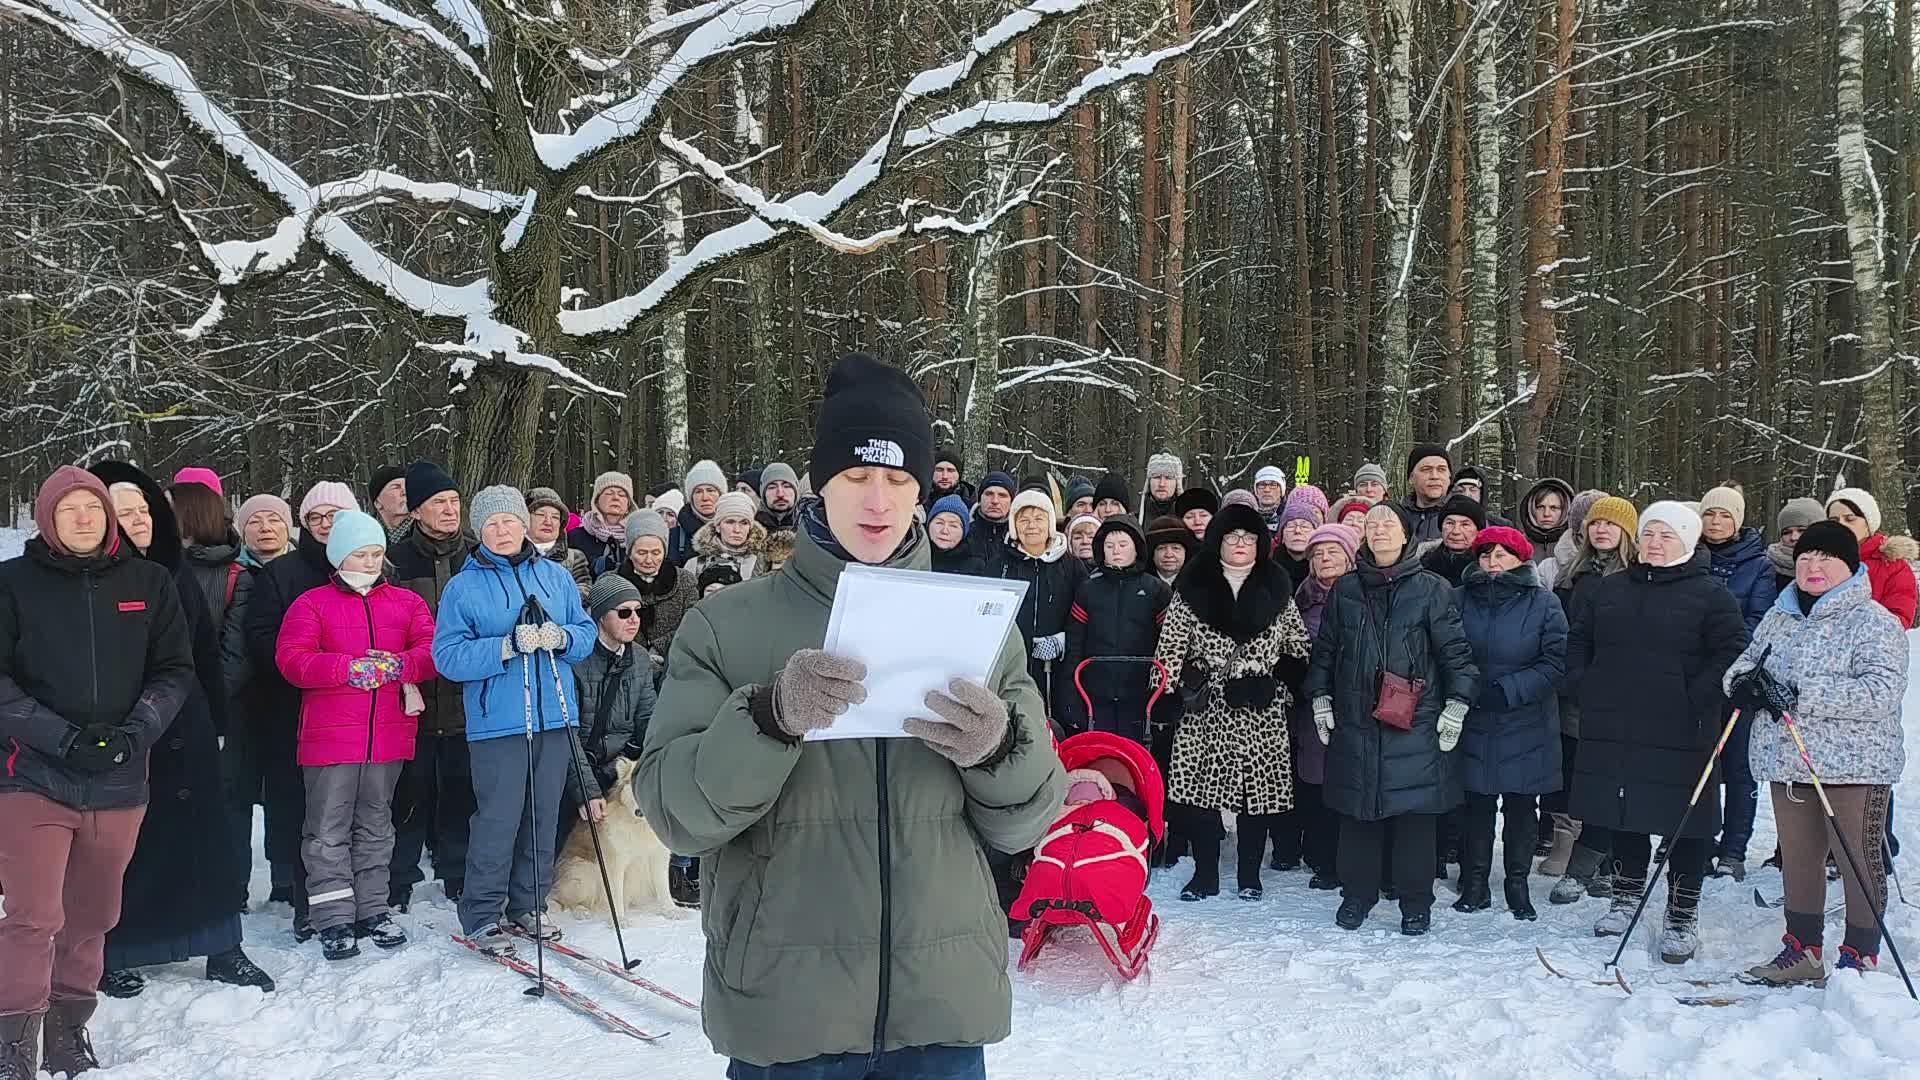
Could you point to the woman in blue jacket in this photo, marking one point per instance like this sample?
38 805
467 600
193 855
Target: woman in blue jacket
514 662
1740 564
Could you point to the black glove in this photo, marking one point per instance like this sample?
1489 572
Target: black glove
1745 693
1251 691
1494 699
1778 698
1195 694
633 749
100 748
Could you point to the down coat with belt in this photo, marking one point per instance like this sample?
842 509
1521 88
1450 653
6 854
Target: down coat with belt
325 631
1848 659
1399 618
1645 658
1235 659
1511 743
845 892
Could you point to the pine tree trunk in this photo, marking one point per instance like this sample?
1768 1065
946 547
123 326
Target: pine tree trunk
1309 405
1485 297
986 289
1339 363
1543 226
1175 285
1396 359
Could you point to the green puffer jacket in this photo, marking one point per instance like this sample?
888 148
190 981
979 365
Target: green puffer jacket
846 895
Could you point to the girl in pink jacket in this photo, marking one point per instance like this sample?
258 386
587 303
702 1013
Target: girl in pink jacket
353 647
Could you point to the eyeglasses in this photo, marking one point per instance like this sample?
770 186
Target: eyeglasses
627 612
322 517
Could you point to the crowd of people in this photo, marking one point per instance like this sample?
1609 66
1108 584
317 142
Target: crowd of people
1373 684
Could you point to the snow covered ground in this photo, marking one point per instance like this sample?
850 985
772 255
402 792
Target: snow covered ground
11 541
1235 989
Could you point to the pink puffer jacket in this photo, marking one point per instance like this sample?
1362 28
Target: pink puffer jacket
326 629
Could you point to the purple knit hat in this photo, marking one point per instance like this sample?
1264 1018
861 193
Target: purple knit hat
1344 535
1239 497
1305 503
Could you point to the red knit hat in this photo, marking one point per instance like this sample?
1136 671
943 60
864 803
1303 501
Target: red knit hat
1512 539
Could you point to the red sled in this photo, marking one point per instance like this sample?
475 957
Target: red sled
1091 867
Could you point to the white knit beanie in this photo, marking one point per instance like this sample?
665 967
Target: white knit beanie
734 504
1678 517
1868 506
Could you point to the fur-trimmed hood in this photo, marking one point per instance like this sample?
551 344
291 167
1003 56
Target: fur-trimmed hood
1904 548
706 542
1203 585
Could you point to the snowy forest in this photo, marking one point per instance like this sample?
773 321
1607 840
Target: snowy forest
1639 244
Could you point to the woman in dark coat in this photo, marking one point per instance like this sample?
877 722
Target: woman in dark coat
1115 616
186 886
1645 659
1511 746
1390 784
1036 553
1234 643
1309 831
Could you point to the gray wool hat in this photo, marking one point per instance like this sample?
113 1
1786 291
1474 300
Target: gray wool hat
1800 513
646 522
609 591
498 499
1369 471
705 471
779 470
545 496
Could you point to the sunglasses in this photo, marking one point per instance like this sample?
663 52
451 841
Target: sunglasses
627 612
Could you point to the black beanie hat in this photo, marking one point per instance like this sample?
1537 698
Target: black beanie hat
873 414
1470 472
1424 451
382 476
1196 499
1111 487
1830 538
949 454
1465 506
424 481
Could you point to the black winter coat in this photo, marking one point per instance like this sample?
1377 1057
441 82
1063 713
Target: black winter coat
227 588
276 726
961 560
1446 562
1402 615
424 565
616 704
85 641
1645 659
988 540
1519 637
1051 580
1115 613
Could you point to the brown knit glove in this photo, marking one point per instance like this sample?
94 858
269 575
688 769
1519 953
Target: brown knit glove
972 724
815 689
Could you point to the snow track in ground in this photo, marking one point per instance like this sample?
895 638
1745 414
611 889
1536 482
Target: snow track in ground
1235 989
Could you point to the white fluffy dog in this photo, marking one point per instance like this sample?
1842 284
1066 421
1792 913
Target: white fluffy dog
636 859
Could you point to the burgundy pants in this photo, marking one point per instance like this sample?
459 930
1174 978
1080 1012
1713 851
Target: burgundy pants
63 869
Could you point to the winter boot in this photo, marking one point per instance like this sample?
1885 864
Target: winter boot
1351 915
121 985
1416 924
1727 866
1626 897
400 899
302 928
1204 883
1474 893
1560 846
542 929
1680 940
337 943
1773 860
1519 901
20 1045
455 886
1797 965
1324 880
1248 877
493 940
69 1052
235 969
1854 960
1582 866
385 933
1601 887
683 887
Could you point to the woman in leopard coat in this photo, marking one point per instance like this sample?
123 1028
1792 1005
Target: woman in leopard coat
1235 646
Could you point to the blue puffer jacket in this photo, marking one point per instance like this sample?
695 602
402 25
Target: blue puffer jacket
1519 636
479 608
1741 564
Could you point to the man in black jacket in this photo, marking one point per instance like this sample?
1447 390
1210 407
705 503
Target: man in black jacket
94 665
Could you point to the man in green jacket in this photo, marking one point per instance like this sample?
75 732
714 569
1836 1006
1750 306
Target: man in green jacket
851 921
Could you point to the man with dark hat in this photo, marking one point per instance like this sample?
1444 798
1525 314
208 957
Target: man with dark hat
387 497
1079 497
434 798
1461 519
1429 478
747 681
1195 507
615 684
987 535
947 463
1110 497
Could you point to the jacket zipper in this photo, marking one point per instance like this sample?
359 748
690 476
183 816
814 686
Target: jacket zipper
886 905
93 641
367 607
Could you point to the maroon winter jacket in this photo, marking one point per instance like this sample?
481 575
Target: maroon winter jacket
325 631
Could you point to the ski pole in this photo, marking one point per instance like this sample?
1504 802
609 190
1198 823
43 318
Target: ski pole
580 780
1666 854
1886 852
1846 848
539 987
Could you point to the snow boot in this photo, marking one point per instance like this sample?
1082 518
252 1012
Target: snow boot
1680 940
1324 880
302 929
1474 894
1796 965
69 1052
1626 897
337 943
1852 959
1726 866
1773 860
1560 846
1601 887
386 933
492 940
20 1045
121 985
400 899
1519 900
1416 924
683 887
455 886
1204 883
1582 866
1351 915
543 929
1283 864
235 969
1251 892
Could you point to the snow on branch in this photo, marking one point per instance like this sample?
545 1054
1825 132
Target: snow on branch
741 21
376 14
674 23
813 211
